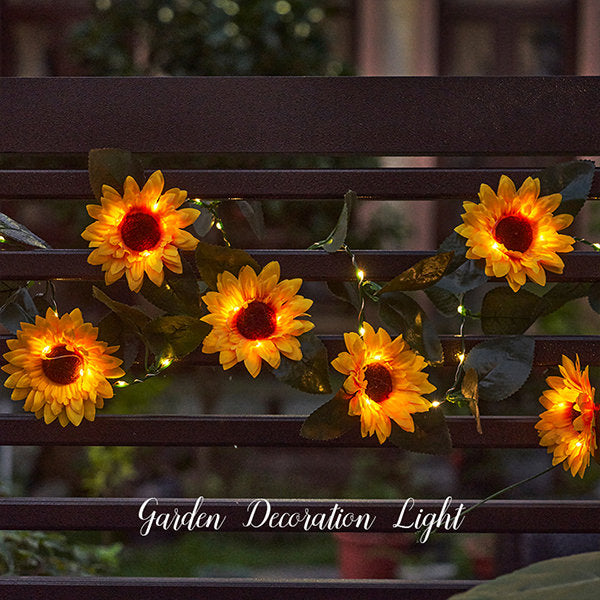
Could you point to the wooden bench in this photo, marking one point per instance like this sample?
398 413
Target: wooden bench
257 116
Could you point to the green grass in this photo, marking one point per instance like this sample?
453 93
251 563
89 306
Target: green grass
218 554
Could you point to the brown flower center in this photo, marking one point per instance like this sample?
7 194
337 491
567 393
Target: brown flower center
257 321
140 231
62 366
514 232
379 382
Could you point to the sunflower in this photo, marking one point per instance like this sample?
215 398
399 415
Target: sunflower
254 317
60 369
567 427
516 232
385 381
140 231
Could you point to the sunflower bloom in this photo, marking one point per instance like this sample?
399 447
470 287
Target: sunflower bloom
515 232
385 381
254 318
60 369
139 232
567 427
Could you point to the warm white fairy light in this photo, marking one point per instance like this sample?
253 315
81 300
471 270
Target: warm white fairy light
165 362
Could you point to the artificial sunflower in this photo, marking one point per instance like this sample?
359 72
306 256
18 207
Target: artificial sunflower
385 381
254 317
60 369
515 232
139 232
567 427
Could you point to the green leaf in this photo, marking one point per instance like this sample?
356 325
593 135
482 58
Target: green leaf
405 316
431 435
446 302
594 296
129 315
19 308
179 294
8 288
253 213
421 275
331 420
458 245
111 331
212 260
337 238
506 312
111 166
467 277
15 232
573 180
311 373
502 364
175 336
12 316
203 224
345 291
570 577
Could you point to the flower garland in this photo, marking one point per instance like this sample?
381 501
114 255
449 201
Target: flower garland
60 367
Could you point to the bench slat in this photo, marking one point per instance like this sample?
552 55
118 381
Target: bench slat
108 514
176 588
311 265
240 431
385 116
275 184
548 349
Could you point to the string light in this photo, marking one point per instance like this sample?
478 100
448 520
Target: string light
461 357
360 274
435 403
121 383
361 330
461 309
2 239
165 362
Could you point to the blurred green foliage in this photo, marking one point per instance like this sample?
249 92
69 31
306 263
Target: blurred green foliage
39 553
206 37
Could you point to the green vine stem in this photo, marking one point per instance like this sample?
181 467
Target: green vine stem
366 288
594 245
495 495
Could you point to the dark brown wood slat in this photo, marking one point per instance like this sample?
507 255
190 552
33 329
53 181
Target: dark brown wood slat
548 349
111 514
311 265
366 115
370 184
175 588
240 431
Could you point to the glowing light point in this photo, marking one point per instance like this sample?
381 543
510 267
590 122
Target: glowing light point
460 357
2 239
435 403
121 383
360 274
165 362
46 350
596 246
361 331
218 225
461 310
